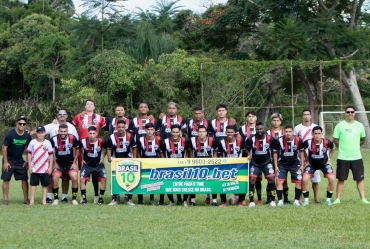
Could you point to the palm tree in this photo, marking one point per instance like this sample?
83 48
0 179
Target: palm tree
166 8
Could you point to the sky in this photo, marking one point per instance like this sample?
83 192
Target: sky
130 5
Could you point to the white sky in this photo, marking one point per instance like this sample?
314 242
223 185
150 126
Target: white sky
130 5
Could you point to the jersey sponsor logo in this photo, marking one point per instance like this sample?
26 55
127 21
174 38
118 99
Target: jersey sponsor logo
220 134
176 155
232 155
202 154
150 153
288 154
128 174
317 156
87 126
62 153
92 155
19 142
261 152
329 169
271 169
120 150
167 130
194 133
140 132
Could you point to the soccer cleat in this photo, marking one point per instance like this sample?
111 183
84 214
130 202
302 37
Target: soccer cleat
208 201
252 204
179 203
65 200
287 202
84 202
74 202
296 203
130 203
364 201
192 204
100 201
336 201
305 203
267 202
259 202
328 203
125 199
214 204
223 204
160 203
96 199
55 202
151 202
48 200
280 204
185 204
171 204
26 202
272 204
112 203
244 203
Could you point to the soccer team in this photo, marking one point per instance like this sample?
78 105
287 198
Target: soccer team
300 150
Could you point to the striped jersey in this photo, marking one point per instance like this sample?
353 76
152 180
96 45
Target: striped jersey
40 152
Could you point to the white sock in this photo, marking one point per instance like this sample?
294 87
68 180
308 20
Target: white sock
296 201
281 201
192 200
49 195
64 196
214 200
328 199
306 199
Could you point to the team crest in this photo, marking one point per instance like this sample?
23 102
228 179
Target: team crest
128 174
237 148
294 147
44 148
98 149
208 148
95 121
323 150
156 147
267 146
181 149
69 145
127 143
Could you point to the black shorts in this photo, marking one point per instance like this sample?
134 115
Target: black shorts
87 170
64 171
326 169
295 172
16 168
256 170
36 178
357 167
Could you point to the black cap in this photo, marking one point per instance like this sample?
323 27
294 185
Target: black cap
40 128
22 118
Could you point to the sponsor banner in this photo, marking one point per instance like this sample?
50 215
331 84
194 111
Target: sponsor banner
179 175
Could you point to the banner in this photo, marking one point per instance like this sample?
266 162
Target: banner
179 175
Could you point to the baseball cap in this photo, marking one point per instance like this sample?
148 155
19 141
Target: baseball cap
22 118
40 128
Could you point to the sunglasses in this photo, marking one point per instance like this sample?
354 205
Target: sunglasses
22 124
62 114
348 112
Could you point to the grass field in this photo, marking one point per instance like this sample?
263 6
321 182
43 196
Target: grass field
102 226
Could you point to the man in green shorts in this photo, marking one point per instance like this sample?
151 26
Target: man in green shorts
348 136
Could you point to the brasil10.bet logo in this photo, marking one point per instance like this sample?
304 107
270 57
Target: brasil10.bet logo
128 174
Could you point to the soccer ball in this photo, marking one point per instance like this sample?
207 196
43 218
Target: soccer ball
233 199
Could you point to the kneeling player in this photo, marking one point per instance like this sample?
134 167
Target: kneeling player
288 155
91 151
318 160
258 149
66 155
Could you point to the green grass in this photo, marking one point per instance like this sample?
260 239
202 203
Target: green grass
97 226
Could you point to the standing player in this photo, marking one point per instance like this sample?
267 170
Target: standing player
14 144
148 147
246 131
258 150
192 125
304 131
318 159
137 127
52 130
111 123
288 157
173 147
171 118
40 160
200 146
65 154
85 120
276 131
119 146
219 124
348 136
93 161
230 146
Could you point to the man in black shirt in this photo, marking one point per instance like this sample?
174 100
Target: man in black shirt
93 161
288 157
318 159
258 149
15 142
66 161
